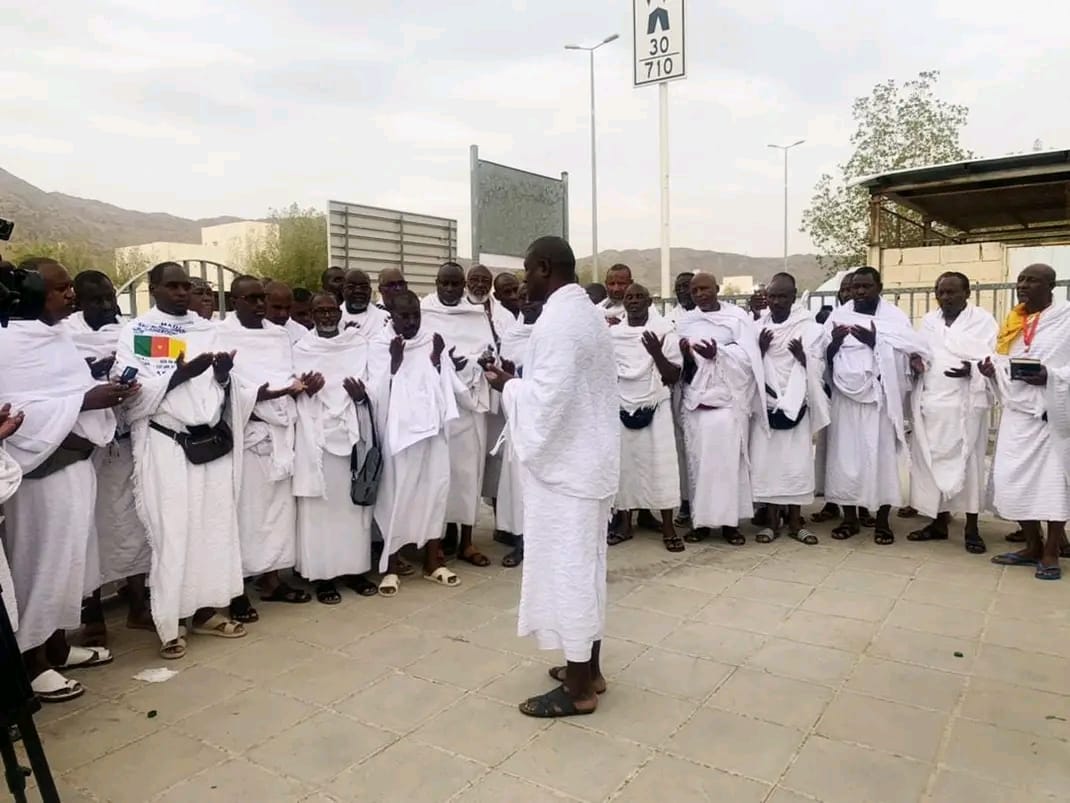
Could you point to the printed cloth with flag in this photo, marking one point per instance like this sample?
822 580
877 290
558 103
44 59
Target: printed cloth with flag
157 346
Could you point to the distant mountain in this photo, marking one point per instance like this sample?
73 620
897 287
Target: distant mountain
102 227
54 216
646 265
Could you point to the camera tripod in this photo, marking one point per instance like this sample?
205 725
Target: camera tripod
18 704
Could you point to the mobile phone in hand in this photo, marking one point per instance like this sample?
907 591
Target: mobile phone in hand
128 376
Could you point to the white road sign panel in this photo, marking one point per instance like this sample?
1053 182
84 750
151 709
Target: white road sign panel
659 40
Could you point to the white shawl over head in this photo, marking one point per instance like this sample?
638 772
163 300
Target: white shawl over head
564 414
264 356
515 342
943 407
791 384
735 377
638 379
466 328
97 344
328 421
43 375
418 401
876 375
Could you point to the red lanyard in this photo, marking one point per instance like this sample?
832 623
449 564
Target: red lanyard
1029 330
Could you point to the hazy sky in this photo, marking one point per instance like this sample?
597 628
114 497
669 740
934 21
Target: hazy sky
205 108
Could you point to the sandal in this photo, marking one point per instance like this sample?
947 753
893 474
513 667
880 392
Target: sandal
804 536
51 687
928 533
849 529
1013 559
552 705
767 536
615 538
474 557
173 650
682 519
361 585
975 544
1017 537
219 626
559 673
867 520
388 586
516 557
327 593
673 543
883 536
443 576
241 610
697 536
94 634
289 594
404 569
733 536
827 513
907 512
1048 572
86 658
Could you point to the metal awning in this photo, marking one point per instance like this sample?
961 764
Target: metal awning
1024 197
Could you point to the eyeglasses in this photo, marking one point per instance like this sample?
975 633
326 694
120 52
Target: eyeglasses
252 298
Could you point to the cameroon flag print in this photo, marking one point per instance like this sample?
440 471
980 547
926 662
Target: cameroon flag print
158 346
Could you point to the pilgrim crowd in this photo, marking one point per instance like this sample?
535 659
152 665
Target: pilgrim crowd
322 441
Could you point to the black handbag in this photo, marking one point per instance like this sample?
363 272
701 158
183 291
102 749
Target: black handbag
202 443
639 419
778 419
364 477
57 461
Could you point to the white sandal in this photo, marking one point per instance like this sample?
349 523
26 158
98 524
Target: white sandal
388 586
51 687
219 626
86 657
443 576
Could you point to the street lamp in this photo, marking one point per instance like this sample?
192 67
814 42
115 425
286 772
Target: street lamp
594 159
785 149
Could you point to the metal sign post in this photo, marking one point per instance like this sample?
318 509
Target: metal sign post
660 57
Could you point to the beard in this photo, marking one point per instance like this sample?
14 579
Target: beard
324 331
478 300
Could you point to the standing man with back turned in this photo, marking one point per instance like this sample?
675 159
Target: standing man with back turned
571 472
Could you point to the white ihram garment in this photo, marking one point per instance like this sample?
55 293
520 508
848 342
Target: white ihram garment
10 477
334 536
188 510
509 511
466 329
950 434
369 322
412 410
650 476
503 320
718 404
571 471
49 520
267 512
121 543
1029 475
295 331
868 388
782 460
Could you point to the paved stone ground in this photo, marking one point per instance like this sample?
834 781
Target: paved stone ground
843 673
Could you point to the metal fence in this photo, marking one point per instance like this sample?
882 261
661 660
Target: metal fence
134 297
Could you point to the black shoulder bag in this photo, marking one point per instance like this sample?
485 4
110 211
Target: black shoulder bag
202 443
778 419
364 477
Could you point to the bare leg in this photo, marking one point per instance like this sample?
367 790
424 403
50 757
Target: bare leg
433 556
94 630
672 541
883 534
467 552
1053 544
138 616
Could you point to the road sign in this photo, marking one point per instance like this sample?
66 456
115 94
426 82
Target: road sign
659 41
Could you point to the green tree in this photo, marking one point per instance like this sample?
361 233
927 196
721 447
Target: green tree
295 252
898 127
76 256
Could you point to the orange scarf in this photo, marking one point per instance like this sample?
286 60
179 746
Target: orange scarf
1013 326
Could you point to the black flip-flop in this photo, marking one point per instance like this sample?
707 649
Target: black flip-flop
552 705
696 536
327 593
361 584
825 515
673 543
733 537
241 610
842 532
975 544
615 538
883 536
559 673
288 594
927 533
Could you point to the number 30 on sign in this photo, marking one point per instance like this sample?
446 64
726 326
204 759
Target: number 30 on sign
659 40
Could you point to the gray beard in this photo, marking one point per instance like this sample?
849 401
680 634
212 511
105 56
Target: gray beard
477 300
327 332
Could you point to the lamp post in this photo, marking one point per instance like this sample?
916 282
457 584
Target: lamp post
785 149
594 157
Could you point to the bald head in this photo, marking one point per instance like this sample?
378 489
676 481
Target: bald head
507 291
704 292
618 280
548 266
280 300
391 282
637 304
1035 286
357 291
449 284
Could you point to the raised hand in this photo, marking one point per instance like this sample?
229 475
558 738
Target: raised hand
102 367
765 340
864 335
839 333
960 373
438 345
1040 378
9 422
458 362
355 388
222 364
652 343
397 354
108 394
313 382
508 366
613 320
987 369
797 351
497 377
706 348
917 365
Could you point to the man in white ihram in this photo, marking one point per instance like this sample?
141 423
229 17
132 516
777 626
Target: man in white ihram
571 473
951 403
